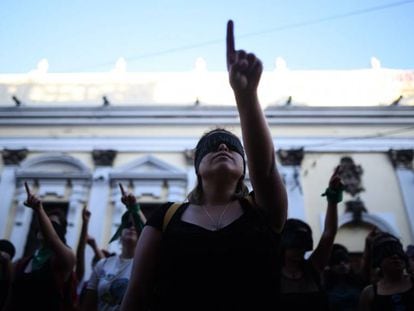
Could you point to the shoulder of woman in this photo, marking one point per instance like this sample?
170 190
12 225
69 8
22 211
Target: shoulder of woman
156 220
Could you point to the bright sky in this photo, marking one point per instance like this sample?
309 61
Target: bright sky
169 35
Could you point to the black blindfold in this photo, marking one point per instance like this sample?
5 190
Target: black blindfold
211 142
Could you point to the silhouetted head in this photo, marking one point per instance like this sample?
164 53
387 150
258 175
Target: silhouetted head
339 254
297 234
7 247
387 251
340 261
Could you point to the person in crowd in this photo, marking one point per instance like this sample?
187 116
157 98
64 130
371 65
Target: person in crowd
395 288
300 280
80 251
110 276
45 280
84 240
410 255
367 272
217 251
343 285
7 252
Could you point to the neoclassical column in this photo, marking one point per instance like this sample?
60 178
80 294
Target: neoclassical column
77 201
291 163
403 164
21 222
191 176
99 194
11 160
98 202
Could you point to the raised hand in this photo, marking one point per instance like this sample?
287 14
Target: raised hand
90 241
32 200
335 181
244 68
86 214
128 199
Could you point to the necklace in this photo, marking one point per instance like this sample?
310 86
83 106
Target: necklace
216 224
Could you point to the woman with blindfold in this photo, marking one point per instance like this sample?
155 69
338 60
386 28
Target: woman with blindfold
395 288
218 250
300 283
110 276
45 280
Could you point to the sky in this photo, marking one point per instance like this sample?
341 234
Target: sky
169 35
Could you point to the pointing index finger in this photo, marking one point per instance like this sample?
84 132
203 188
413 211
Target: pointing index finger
27 189
122 189
338 170
230 42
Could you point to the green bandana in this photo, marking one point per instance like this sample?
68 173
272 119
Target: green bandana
132 211
333 195
41 257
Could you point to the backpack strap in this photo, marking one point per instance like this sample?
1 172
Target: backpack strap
169 214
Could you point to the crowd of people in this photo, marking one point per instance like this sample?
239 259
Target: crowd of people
224 248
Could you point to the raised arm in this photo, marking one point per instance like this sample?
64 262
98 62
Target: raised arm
366 259
144 269
245 70
147 252
98 253
80 251
64 257
321 254
130 201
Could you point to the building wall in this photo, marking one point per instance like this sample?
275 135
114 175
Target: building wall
156 142
382 195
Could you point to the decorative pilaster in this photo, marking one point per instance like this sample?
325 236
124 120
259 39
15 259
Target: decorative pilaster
11 160
22 221
98 202
77 201
191 175
402 158
402 161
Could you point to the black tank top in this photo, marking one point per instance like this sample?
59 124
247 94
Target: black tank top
305 293
37 290
229 269
400 301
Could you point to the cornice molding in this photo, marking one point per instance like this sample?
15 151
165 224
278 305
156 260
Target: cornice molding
190 115
180 144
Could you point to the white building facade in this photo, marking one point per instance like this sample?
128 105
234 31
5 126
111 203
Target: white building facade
75 137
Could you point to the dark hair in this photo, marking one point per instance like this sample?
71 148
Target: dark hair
296 234
339 253
7 247
384 245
